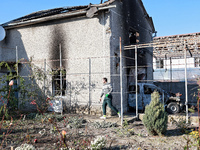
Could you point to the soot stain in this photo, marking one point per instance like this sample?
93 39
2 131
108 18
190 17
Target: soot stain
58 37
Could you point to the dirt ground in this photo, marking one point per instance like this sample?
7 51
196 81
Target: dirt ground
81 130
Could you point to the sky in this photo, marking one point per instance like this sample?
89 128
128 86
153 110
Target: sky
170 17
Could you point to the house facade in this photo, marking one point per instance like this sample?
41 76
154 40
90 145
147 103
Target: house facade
81 45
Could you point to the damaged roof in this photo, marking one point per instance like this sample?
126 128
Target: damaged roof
66 12
49 12
177 35
174 45
52 14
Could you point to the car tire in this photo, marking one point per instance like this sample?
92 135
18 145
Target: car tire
173 108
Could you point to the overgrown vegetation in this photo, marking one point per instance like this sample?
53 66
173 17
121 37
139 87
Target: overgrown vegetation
22 91
155 118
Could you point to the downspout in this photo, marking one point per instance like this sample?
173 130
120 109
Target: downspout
104 53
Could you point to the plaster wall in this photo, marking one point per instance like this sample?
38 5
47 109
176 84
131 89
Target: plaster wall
85 49
90 51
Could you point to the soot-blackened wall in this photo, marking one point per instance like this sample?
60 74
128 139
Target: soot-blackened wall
59 42
129 14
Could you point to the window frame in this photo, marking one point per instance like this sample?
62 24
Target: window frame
56 90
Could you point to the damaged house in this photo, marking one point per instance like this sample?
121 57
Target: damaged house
171 64
81 45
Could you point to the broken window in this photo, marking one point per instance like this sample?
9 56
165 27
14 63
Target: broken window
148 89
197 62
133 36
160 63
59 82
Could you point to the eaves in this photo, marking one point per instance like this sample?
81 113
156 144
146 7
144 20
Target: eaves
71 14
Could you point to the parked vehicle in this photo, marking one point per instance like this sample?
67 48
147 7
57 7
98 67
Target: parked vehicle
172 102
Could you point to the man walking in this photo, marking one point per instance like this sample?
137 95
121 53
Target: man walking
106 91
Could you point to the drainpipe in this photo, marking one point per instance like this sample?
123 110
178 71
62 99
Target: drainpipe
104 53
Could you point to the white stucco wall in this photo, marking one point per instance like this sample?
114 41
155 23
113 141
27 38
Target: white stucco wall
80 39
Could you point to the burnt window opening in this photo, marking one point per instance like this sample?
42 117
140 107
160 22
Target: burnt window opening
160 63
132 89
133 36
117 60
142 76
57 88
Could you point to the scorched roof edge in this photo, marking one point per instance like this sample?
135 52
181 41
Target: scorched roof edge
54 11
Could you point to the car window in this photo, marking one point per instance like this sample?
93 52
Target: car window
148 89
159 91
132 89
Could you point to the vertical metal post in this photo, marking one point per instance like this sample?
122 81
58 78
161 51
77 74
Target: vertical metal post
45 69
17 61
186 89
121 80
17 71
67 85
136 81
159 63
170 74
60 69
163 98
61 77
89 84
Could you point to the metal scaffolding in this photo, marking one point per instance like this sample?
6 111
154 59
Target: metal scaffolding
175 47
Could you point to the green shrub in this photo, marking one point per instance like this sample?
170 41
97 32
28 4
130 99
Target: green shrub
155 118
